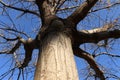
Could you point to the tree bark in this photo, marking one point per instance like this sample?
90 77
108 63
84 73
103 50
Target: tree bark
56 59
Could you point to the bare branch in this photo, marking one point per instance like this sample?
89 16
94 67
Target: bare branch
89 58
29 46
112 76
67 8
96 37
97 34
19 9
106 7
108 54
102 29
16 59
7 73
9 39
15 47
14 30
109 6
81 12
59 3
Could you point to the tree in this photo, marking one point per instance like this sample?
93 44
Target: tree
58 38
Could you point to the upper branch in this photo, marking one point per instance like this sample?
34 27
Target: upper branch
81 12
106 7
19 9
102 29
46 10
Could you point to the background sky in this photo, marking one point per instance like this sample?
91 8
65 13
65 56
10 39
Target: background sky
30 24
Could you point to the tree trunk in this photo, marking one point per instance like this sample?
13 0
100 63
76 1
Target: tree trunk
56 59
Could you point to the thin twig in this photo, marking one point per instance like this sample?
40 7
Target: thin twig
19 9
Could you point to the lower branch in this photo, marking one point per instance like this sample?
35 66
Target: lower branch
28 57
82 54
29 46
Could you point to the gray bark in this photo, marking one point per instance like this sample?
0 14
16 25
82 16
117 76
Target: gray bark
56 60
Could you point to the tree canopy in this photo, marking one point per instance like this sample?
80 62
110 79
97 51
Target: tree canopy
96 35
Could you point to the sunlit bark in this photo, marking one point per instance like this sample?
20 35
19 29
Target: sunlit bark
56 60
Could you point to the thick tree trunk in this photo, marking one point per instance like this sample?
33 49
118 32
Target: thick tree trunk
56 60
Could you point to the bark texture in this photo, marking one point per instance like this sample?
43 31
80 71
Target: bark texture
56 59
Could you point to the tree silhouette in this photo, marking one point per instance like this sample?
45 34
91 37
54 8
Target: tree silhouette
59 29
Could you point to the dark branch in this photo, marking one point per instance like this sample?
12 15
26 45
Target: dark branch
89 58
67 8
20 9
81 12
96 37
109 6
29 46
9 39
59 4
15 47
108 54
14 30
97 34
